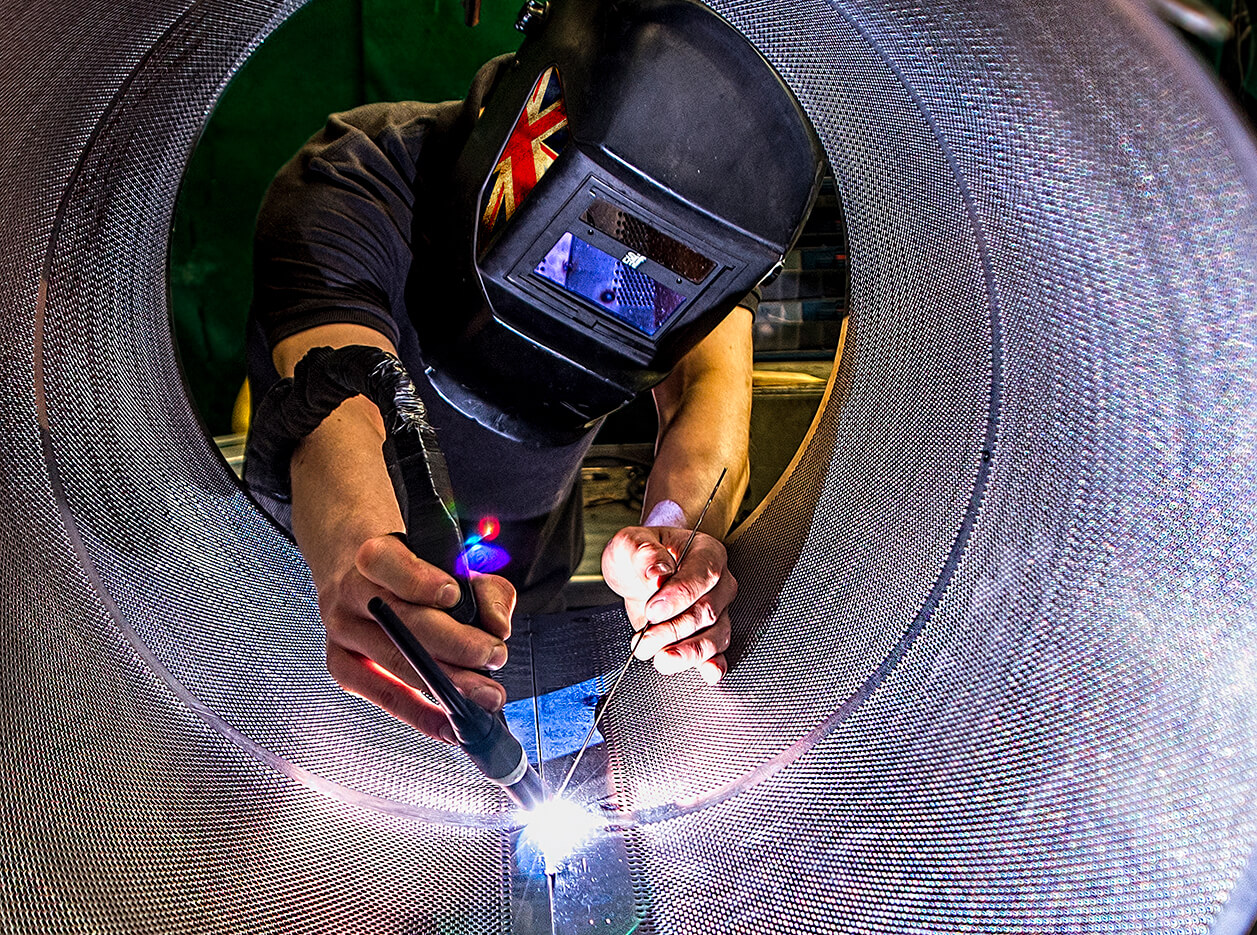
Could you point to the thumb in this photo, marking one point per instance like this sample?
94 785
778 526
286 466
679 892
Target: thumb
634 561
389 563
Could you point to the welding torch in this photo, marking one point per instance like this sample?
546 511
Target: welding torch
421 482
484 737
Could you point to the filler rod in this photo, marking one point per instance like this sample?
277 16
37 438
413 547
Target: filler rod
606 701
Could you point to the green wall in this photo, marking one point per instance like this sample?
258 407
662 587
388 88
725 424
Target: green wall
330 56
1236 59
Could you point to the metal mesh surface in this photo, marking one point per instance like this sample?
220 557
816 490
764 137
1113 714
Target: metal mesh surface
994 645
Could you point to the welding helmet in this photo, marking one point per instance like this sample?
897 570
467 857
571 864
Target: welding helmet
636 171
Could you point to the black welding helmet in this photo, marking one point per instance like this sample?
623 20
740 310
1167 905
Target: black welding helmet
636 171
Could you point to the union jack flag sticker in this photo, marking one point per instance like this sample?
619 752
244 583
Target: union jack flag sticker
539 136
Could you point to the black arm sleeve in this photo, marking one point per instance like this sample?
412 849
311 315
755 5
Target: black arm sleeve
751 300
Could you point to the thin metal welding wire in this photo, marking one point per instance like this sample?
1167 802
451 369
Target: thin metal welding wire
594 726
606 700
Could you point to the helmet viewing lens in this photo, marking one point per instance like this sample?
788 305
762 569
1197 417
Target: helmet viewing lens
615 286
644 239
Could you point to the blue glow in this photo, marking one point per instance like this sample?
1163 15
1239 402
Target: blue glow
482 557
632 296
568 713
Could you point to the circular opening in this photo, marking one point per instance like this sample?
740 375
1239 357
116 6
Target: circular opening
333 55
330 57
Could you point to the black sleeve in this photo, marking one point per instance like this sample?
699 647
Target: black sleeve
751 300
333 235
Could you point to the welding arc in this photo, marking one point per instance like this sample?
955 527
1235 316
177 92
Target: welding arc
606 701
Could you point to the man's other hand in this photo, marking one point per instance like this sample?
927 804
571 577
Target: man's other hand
364 661
683 610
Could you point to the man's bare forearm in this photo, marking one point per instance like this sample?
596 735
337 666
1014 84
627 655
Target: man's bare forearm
343 511
704 423
341 492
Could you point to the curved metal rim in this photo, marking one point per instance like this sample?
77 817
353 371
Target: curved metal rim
923 616
505 821
214 720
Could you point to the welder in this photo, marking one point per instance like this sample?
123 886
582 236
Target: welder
590 223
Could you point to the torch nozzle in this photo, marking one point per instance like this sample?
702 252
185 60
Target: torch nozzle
483 736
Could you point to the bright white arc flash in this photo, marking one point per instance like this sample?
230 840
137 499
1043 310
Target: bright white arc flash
557 827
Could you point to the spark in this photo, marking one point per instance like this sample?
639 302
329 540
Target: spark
556 828
489 528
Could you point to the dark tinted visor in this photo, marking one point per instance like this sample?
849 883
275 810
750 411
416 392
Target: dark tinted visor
653 244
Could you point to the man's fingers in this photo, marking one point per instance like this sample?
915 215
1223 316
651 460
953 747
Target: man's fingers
387 663
634 561
479 688
495 597
704 567
360 676
389 563
714 669
364 661
681 620
694 650
444 637
706 613
659 636
636 612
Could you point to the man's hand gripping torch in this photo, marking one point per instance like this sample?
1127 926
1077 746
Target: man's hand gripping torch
293 408
483 736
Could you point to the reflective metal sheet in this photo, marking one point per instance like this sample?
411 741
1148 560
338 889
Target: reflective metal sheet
994 659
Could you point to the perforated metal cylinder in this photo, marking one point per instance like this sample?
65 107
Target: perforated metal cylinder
994 645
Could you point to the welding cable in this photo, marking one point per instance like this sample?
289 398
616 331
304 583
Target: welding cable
323 379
